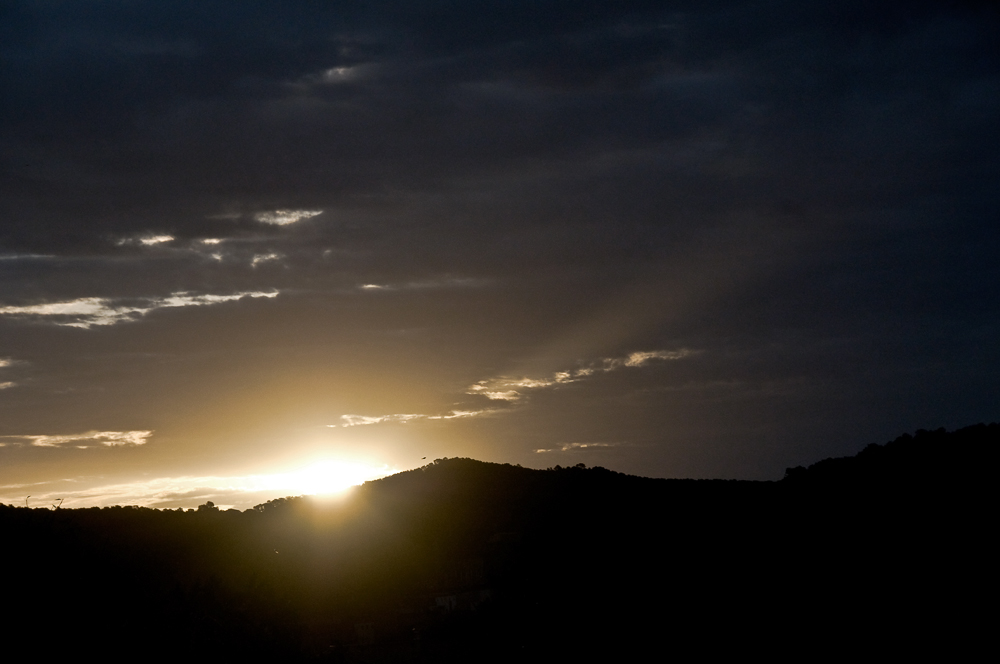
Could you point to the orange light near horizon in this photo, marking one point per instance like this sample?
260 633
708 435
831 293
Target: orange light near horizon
324 477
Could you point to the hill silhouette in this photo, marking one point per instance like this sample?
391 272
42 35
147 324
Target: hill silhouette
465 560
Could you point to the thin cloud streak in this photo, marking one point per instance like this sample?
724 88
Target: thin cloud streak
156 239
460 414
146 240
22 257
431 284
364 420
570 447
84 440
512 390
285 217
505 388
263 258
87 312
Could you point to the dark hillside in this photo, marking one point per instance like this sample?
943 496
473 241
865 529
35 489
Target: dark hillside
957 459
463 560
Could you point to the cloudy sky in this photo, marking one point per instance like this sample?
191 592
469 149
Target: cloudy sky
248 247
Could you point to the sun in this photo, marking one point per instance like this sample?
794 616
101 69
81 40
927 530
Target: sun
326 477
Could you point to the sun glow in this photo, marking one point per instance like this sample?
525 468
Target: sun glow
326 477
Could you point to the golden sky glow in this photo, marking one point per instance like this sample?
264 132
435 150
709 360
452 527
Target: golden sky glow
323 477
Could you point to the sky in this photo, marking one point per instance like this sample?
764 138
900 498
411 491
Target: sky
250 250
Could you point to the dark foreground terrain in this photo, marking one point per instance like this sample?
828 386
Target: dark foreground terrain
881 554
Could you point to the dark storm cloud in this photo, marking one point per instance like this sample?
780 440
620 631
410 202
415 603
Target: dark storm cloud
804 193
144 118
140 118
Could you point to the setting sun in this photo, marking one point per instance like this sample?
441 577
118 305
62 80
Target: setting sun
325 477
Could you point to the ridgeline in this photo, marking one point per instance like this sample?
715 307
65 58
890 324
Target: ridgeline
463 560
